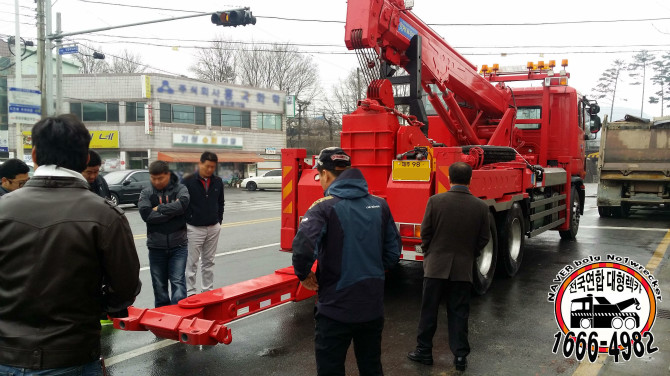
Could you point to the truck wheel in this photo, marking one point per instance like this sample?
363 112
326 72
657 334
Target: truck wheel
571 233
510 240
604 211
485 265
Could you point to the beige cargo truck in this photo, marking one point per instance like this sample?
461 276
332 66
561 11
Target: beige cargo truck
634 165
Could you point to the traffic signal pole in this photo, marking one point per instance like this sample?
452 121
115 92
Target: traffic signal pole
58 38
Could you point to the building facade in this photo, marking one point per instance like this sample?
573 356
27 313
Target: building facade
135 119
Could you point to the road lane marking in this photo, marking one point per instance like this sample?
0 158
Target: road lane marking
233 252
626 228
166 342
658 255
228 225
592 369
139 351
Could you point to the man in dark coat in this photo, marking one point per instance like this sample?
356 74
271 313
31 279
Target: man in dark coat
454 230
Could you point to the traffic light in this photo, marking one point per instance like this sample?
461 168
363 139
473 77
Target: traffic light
238 17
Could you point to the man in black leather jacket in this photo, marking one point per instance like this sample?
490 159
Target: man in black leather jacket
92 175
60 242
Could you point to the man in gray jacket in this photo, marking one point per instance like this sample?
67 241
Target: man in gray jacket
163 207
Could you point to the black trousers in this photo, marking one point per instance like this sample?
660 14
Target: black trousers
457 295
332 342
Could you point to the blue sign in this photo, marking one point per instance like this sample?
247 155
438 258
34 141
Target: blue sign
24 105
68 50
406 29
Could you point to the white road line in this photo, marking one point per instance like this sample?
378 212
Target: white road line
139 351
626 228
233 252
164 343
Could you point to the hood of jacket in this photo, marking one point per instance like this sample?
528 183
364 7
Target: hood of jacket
349 185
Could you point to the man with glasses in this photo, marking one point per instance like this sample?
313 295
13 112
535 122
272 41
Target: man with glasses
14 174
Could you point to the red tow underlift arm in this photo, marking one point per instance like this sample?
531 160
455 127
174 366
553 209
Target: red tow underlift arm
201 319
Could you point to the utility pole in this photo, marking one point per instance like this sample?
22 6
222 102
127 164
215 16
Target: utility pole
18 82
301 107
59 69
48 90
40 54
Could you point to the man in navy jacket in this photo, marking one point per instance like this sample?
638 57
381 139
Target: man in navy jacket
354 238
204 216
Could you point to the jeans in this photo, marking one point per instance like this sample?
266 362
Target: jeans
168 265
88 369
333 339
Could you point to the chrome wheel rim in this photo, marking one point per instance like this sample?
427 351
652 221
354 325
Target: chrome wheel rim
515 241
485 260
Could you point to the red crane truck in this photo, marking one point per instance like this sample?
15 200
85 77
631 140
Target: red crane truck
526 147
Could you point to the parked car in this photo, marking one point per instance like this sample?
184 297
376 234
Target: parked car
271 179
125 186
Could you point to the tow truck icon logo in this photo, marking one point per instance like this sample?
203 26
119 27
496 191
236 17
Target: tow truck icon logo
604 305
584 314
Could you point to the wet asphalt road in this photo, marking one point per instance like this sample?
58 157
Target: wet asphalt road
511 327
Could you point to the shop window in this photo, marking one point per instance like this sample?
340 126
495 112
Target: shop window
216 116
96 111
75 109
233 118
199 115
269 121
183 114
134 111
166 113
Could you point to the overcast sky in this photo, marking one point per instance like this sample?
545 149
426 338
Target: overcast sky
591 47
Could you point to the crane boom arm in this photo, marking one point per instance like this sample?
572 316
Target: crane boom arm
386 26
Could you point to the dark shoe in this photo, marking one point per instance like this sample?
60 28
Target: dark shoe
420 356
460 362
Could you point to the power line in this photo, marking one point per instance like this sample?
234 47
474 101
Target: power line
429 24
343 46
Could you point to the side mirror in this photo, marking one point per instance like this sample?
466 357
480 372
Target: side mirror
594 109
596 124
126 182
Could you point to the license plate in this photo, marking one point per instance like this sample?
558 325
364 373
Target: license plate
411 170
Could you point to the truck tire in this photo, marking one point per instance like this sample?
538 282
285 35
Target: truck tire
510 241
622 211
571 233
485 265
604 211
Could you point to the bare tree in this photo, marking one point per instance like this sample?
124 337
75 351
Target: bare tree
349 91
281 67
216 63
127 62
89 64
661 78
608 81
640 62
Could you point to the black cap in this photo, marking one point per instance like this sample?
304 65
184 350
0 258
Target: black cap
333 157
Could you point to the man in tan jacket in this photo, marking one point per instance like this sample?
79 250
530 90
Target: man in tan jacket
454 230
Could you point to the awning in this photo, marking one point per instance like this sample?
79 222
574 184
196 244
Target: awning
170 156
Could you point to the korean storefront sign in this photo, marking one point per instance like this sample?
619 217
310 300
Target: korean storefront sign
219 142
177 90
99 140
